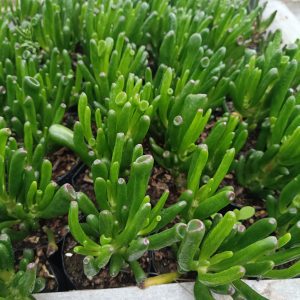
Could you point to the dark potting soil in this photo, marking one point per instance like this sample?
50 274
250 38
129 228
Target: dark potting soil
161 180
44 269
73 267
38 239
70 117
63 160
164 261
242 196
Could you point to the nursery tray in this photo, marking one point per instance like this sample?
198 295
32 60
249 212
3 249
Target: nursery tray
272 289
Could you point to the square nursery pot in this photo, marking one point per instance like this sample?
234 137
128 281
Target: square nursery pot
272 289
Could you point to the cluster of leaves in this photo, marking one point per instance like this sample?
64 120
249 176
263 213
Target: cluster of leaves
17 284
123 219
191 80
27 192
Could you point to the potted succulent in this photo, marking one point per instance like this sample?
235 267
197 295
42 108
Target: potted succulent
177 129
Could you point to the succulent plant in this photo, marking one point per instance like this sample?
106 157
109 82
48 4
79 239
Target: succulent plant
285 209
214 21
200 74
275 161
111 18
48 23
263 82
205 198
17 284
124 125
27 194
232 25
223 251
184 132
122 225
36 98
109 59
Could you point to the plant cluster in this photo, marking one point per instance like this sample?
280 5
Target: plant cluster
193 87
17 284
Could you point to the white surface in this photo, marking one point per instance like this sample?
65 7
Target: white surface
294 6
285 20
271 289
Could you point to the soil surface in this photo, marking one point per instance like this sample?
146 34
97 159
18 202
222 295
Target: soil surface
83 182
161 180
63 161
38 239
164 261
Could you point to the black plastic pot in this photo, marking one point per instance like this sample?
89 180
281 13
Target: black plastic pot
71 175
56 263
